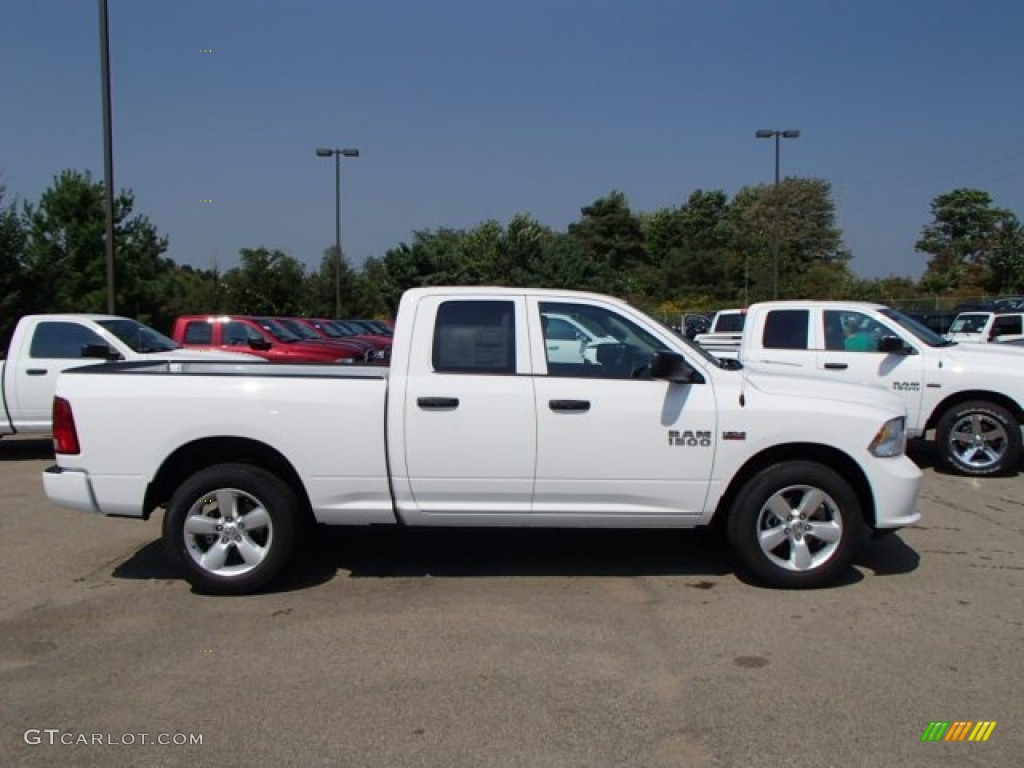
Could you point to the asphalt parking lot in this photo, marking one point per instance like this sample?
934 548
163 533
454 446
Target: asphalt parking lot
506 648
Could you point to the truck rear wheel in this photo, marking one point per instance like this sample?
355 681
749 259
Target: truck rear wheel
978 438
796 524
231 528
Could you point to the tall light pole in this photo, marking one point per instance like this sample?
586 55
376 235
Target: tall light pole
108 154
338 154
777 135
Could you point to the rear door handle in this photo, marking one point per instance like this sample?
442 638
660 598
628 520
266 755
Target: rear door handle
836 366
36 371
563 406
438 403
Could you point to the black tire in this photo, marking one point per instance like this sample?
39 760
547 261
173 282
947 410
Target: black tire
978 438
795 558
211 545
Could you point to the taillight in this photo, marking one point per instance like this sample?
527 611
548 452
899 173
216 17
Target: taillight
65 436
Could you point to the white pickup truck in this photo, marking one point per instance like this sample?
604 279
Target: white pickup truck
473 425
724 334
44 345
985 327
972 395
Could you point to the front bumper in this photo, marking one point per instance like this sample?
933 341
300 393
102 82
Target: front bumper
895 483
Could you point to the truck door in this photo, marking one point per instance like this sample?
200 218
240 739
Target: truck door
614 445
469 437
848 348
781 341
56 345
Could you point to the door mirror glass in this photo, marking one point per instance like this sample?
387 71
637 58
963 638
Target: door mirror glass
100 351
670 366
894 345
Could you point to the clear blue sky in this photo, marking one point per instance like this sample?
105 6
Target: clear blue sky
466 110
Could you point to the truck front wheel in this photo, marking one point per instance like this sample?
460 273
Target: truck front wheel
231 528
978 438
796 524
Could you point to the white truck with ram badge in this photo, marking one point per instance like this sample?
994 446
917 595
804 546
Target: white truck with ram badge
474 425
970 396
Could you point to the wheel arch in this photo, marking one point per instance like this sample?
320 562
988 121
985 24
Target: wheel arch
967 395
208 451
826 455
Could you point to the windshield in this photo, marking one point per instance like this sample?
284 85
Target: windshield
327 328
730 322
275 329
344 328
922 332
141 338
299 329
969 324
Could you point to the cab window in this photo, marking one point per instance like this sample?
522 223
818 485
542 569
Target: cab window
475 337
785 329
198 332
852 331
604 344
59 339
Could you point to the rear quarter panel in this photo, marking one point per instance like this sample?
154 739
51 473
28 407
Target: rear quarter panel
331 430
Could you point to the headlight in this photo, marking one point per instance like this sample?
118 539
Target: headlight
891 439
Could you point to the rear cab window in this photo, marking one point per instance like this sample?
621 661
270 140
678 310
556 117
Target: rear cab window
58 339
475 337
786 329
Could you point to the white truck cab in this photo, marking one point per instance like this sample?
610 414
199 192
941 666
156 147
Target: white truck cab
984 327
43 346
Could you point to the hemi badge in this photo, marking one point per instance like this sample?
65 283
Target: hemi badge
734 435
934 386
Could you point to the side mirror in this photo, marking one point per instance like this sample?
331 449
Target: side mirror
893 345
673 367
101 352
261 344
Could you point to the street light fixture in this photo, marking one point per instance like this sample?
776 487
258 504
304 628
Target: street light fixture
338 154
767 134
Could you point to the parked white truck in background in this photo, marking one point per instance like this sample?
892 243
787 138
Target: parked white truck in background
474 425
985 327
44 345
972 395
724 333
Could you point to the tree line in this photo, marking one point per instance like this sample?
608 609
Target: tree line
708 252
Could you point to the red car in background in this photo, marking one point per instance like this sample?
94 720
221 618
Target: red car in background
339 330
373 326
268 340
305 330
350 328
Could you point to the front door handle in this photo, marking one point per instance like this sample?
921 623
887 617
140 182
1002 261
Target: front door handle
438 403
563 406
836 366
36 371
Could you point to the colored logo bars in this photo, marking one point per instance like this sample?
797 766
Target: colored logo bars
958 730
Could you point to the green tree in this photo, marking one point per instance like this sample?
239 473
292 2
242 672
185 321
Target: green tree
318 294
65 257
267 281
809 240
690 249
611 236
12 276
1006 257
961 240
